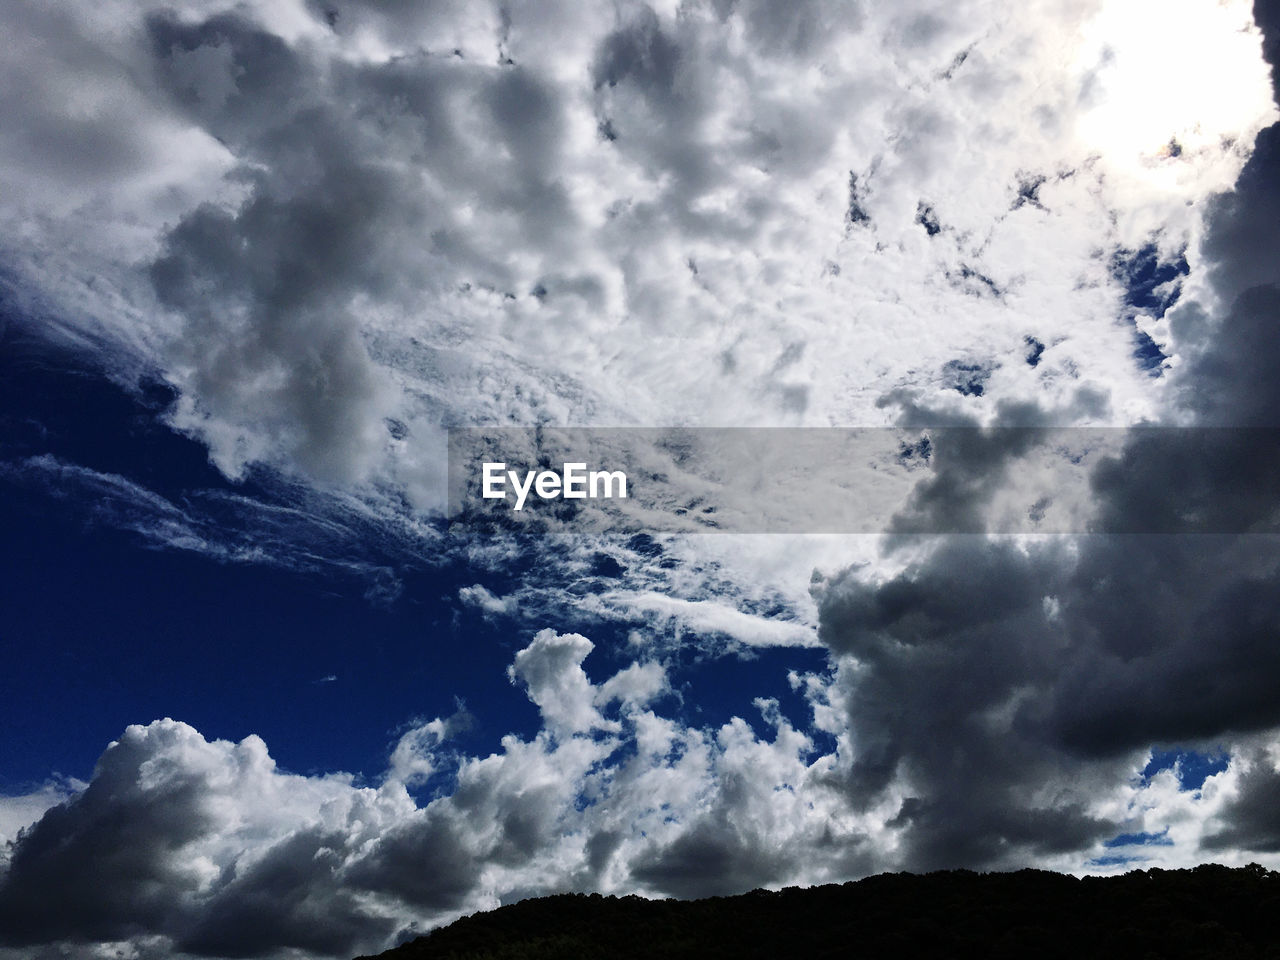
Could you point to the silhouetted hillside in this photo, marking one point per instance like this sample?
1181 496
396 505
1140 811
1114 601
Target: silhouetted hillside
1210 911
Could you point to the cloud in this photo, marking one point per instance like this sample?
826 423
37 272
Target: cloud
937 668
384 220
207 848
284 526
20 811
1248 818
265 291
998 682
468 214
709 593
730 215
480 596
550 669
154 844
182 846
713 617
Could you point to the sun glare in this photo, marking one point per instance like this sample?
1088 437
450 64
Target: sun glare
1168 81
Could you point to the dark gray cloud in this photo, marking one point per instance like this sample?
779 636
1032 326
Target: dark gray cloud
715 857
110 855
265 291
652 92
938 664
1266 14
987 678
986 672
971 463
1229 354
423 862
294 895
71 145
136 854
1251 820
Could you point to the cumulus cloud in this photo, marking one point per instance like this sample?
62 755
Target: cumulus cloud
154 844
1247 818
207 848
550 669
183 846
999 685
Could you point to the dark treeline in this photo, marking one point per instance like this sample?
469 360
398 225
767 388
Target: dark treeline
1208 911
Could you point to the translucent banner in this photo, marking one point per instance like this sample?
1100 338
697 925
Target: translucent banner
865 480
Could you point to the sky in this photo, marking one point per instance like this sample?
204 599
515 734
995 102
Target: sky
259 697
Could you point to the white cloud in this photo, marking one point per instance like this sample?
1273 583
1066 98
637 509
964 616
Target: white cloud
316 531
550 668
712 617
636 686
478 595
401 231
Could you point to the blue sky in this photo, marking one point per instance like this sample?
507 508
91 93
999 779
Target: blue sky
257 260
319 663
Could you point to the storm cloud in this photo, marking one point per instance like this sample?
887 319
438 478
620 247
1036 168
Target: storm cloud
995 679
